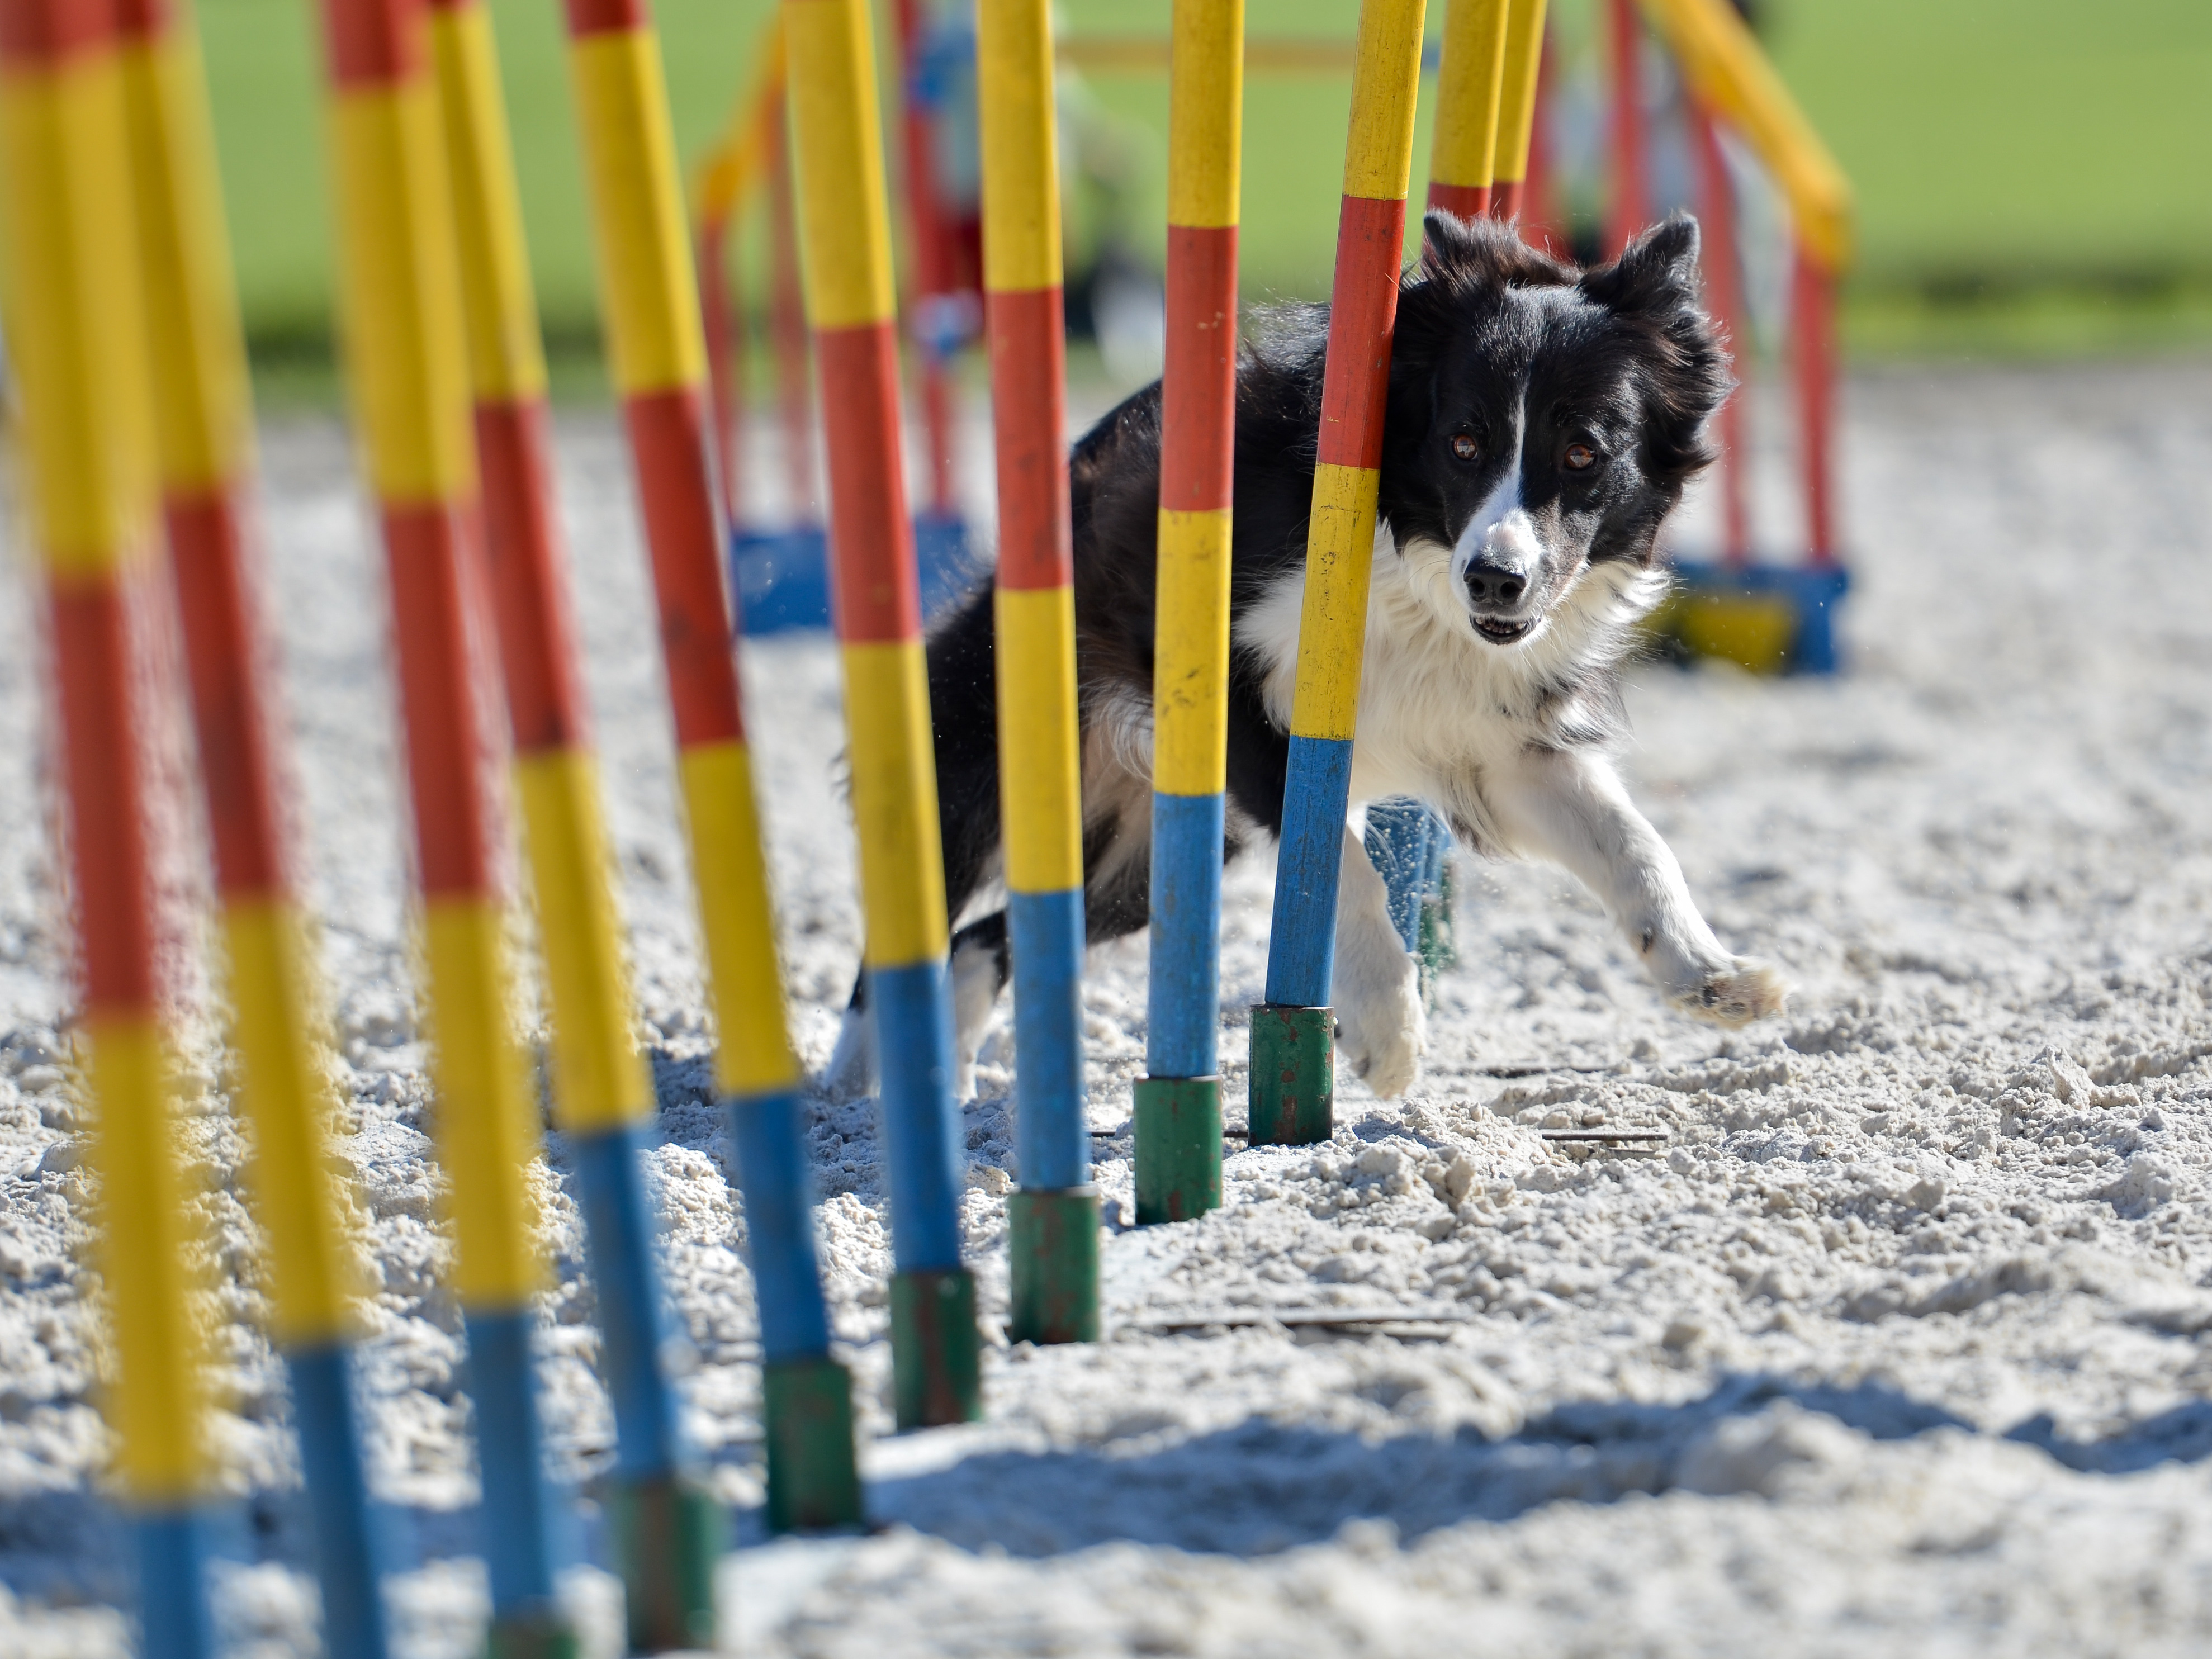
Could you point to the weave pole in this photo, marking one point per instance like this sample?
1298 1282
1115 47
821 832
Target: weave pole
1293 1036
650 297
1517 107
79 354
1178 1102
203 442
1470 84
845 223
1724 276
1051 1222
1628 208
407 366
601 1090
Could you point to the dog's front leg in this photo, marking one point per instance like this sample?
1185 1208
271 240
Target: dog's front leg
1376 984
1571 809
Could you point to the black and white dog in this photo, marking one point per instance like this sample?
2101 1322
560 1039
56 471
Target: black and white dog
1542 422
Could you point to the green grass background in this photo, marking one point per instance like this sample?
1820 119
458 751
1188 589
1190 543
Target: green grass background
2032 175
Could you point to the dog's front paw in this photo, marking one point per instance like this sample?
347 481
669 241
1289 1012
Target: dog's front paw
1744 990
1381 1030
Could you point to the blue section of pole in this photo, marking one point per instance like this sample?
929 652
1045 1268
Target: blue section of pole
913 1011
766 1145
517 1500
1302 942
1052 1141
346 1564
1186 945
618 1231
174 1620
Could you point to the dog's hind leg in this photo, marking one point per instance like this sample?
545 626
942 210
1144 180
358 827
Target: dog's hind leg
980 967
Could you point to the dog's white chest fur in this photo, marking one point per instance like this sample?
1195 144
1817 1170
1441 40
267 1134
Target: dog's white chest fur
1439 706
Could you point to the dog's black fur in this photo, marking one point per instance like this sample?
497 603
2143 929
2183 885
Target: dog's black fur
1496 342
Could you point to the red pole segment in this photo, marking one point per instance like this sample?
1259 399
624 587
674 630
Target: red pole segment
722 314
1628 209
788 333
1812 325
1725 300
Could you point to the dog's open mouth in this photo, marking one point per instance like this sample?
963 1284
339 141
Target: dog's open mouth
1503 633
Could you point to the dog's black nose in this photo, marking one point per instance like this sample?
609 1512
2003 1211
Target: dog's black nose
1494 585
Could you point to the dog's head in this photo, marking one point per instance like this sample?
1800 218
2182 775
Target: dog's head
1543 420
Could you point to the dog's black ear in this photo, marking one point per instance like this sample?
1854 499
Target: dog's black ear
1656 273
1471 253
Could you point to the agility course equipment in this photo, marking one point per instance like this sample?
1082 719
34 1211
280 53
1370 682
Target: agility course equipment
80 355
658 364
407 366
1768 616
782 573
1519 99
1053 1221
1470 83
1293 1037
1178 1103
845 231
203 442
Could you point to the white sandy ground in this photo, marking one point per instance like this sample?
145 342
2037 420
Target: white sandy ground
1898 1345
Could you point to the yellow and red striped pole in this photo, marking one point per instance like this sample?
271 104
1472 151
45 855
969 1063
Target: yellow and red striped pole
408 368
78 341
1051 1222
203 433
846 225
1470 88
1293 1061
650 296
1178 1103
1724 300
1517 107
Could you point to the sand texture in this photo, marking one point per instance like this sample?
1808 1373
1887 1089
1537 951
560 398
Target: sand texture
1897 1343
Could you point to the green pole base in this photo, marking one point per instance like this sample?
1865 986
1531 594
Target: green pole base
937 1353
542 1634
813 1479
1178 1148
1052 1248
1293 1076
667 1536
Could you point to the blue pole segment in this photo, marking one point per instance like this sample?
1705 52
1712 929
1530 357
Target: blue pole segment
765 1143
1052 1142
174 1620
347 1565
913 1009
1302 941
1185 943
518 1501
618 1233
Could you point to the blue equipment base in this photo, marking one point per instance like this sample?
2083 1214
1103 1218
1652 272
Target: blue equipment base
782 576
1769 618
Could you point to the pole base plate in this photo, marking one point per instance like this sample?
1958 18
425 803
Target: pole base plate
813 1479
1052 1246
667 1536
1293 1075
1178 1131
937 1359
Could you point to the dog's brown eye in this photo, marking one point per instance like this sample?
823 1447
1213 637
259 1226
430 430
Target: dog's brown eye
1464 446
1581 458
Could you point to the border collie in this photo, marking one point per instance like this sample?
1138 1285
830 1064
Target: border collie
1542 422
